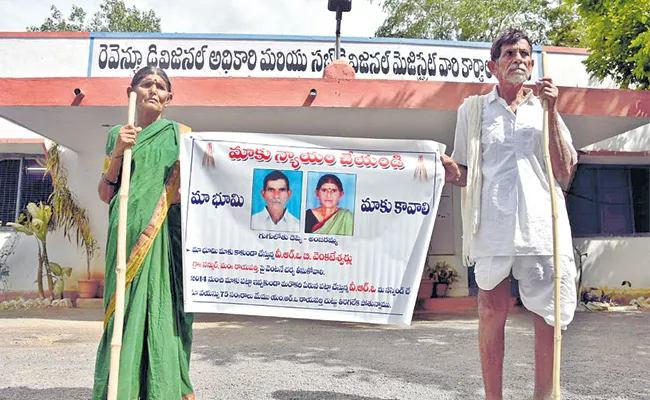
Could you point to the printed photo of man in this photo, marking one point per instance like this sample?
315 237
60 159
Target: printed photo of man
275 216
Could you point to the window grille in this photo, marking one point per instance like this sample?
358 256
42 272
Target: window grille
22 180
609 200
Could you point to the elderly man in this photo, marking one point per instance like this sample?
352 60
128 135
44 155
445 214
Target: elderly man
507 222
275 216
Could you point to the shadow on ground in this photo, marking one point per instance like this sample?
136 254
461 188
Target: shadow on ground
25 393
317 395
422 353
436 351
54 313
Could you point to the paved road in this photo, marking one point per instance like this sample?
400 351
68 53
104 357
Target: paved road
50 355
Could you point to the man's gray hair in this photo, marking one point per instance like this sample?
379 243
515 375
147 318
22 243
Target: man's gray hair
509 36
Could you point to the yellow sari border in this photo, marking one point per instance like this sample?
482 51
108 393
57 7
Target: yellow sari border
107 163
146 239
183 129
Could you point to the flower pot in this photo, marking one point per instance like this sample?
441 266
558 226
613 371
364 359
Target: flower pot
88 289
441 289
426 289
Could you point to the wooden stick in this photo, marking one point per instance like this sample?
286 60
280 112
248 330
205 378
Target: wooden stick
557 342
120 285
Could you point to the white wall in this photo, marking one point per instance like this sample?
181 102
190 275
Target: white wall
9 130
83 173
568 70
460 288
43 57
636 140
611 261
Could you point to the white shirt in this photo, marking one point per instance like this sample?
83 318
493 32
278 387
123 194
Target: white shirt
262 221
515 199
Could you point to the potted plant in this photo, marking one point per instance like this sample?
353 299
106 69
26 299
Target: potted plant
426 283
59 274
72 217
443 275
88 288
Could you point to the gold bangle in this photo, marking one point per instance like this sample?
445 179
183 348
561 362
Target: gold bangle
111 155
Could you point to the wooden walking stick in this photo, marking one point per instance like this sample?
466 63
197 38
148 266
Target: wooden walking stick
557 342
120 285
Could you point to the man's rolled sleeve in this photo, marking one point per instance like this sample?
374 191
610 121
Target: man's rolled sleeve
566 135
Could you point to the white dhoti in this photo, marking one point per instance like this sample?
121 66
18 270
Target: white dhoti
536 277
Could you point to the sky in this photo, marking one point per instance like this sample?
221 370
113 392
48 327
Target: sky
264 17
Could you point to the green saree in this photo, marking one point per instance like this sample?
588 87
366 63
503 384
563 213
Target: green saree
157 336
341 223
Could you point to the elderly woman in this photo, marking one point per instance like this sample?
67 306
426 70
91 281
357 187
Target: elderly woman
155 356
329 219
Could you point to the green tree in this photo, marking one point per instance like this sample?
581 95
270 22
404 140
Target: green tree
566 27
618 38
469 20
113 16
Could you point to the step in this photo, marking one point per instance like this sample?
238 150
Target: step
90 303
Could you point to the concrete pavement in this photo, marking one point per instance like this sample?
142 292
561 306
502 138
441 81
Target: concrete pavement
49 354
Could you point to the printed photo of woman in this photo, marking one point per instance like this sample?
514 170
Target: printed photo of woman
328 216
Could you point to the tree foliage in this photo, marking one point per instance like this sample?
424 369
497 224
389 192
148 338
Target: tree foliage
468 20
618 39
566 28
113 16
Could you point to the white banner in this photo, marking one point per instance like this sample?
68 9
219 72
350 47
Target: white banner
290 59
307 227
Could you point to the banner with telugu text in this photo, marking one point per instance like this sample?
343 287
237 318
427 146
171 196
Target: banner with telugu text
312 227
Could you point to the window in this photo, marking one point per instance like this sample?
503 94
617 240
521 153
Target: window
609 200
21 182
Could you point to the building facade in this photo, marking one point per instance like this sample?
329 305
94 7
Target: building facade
71 87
